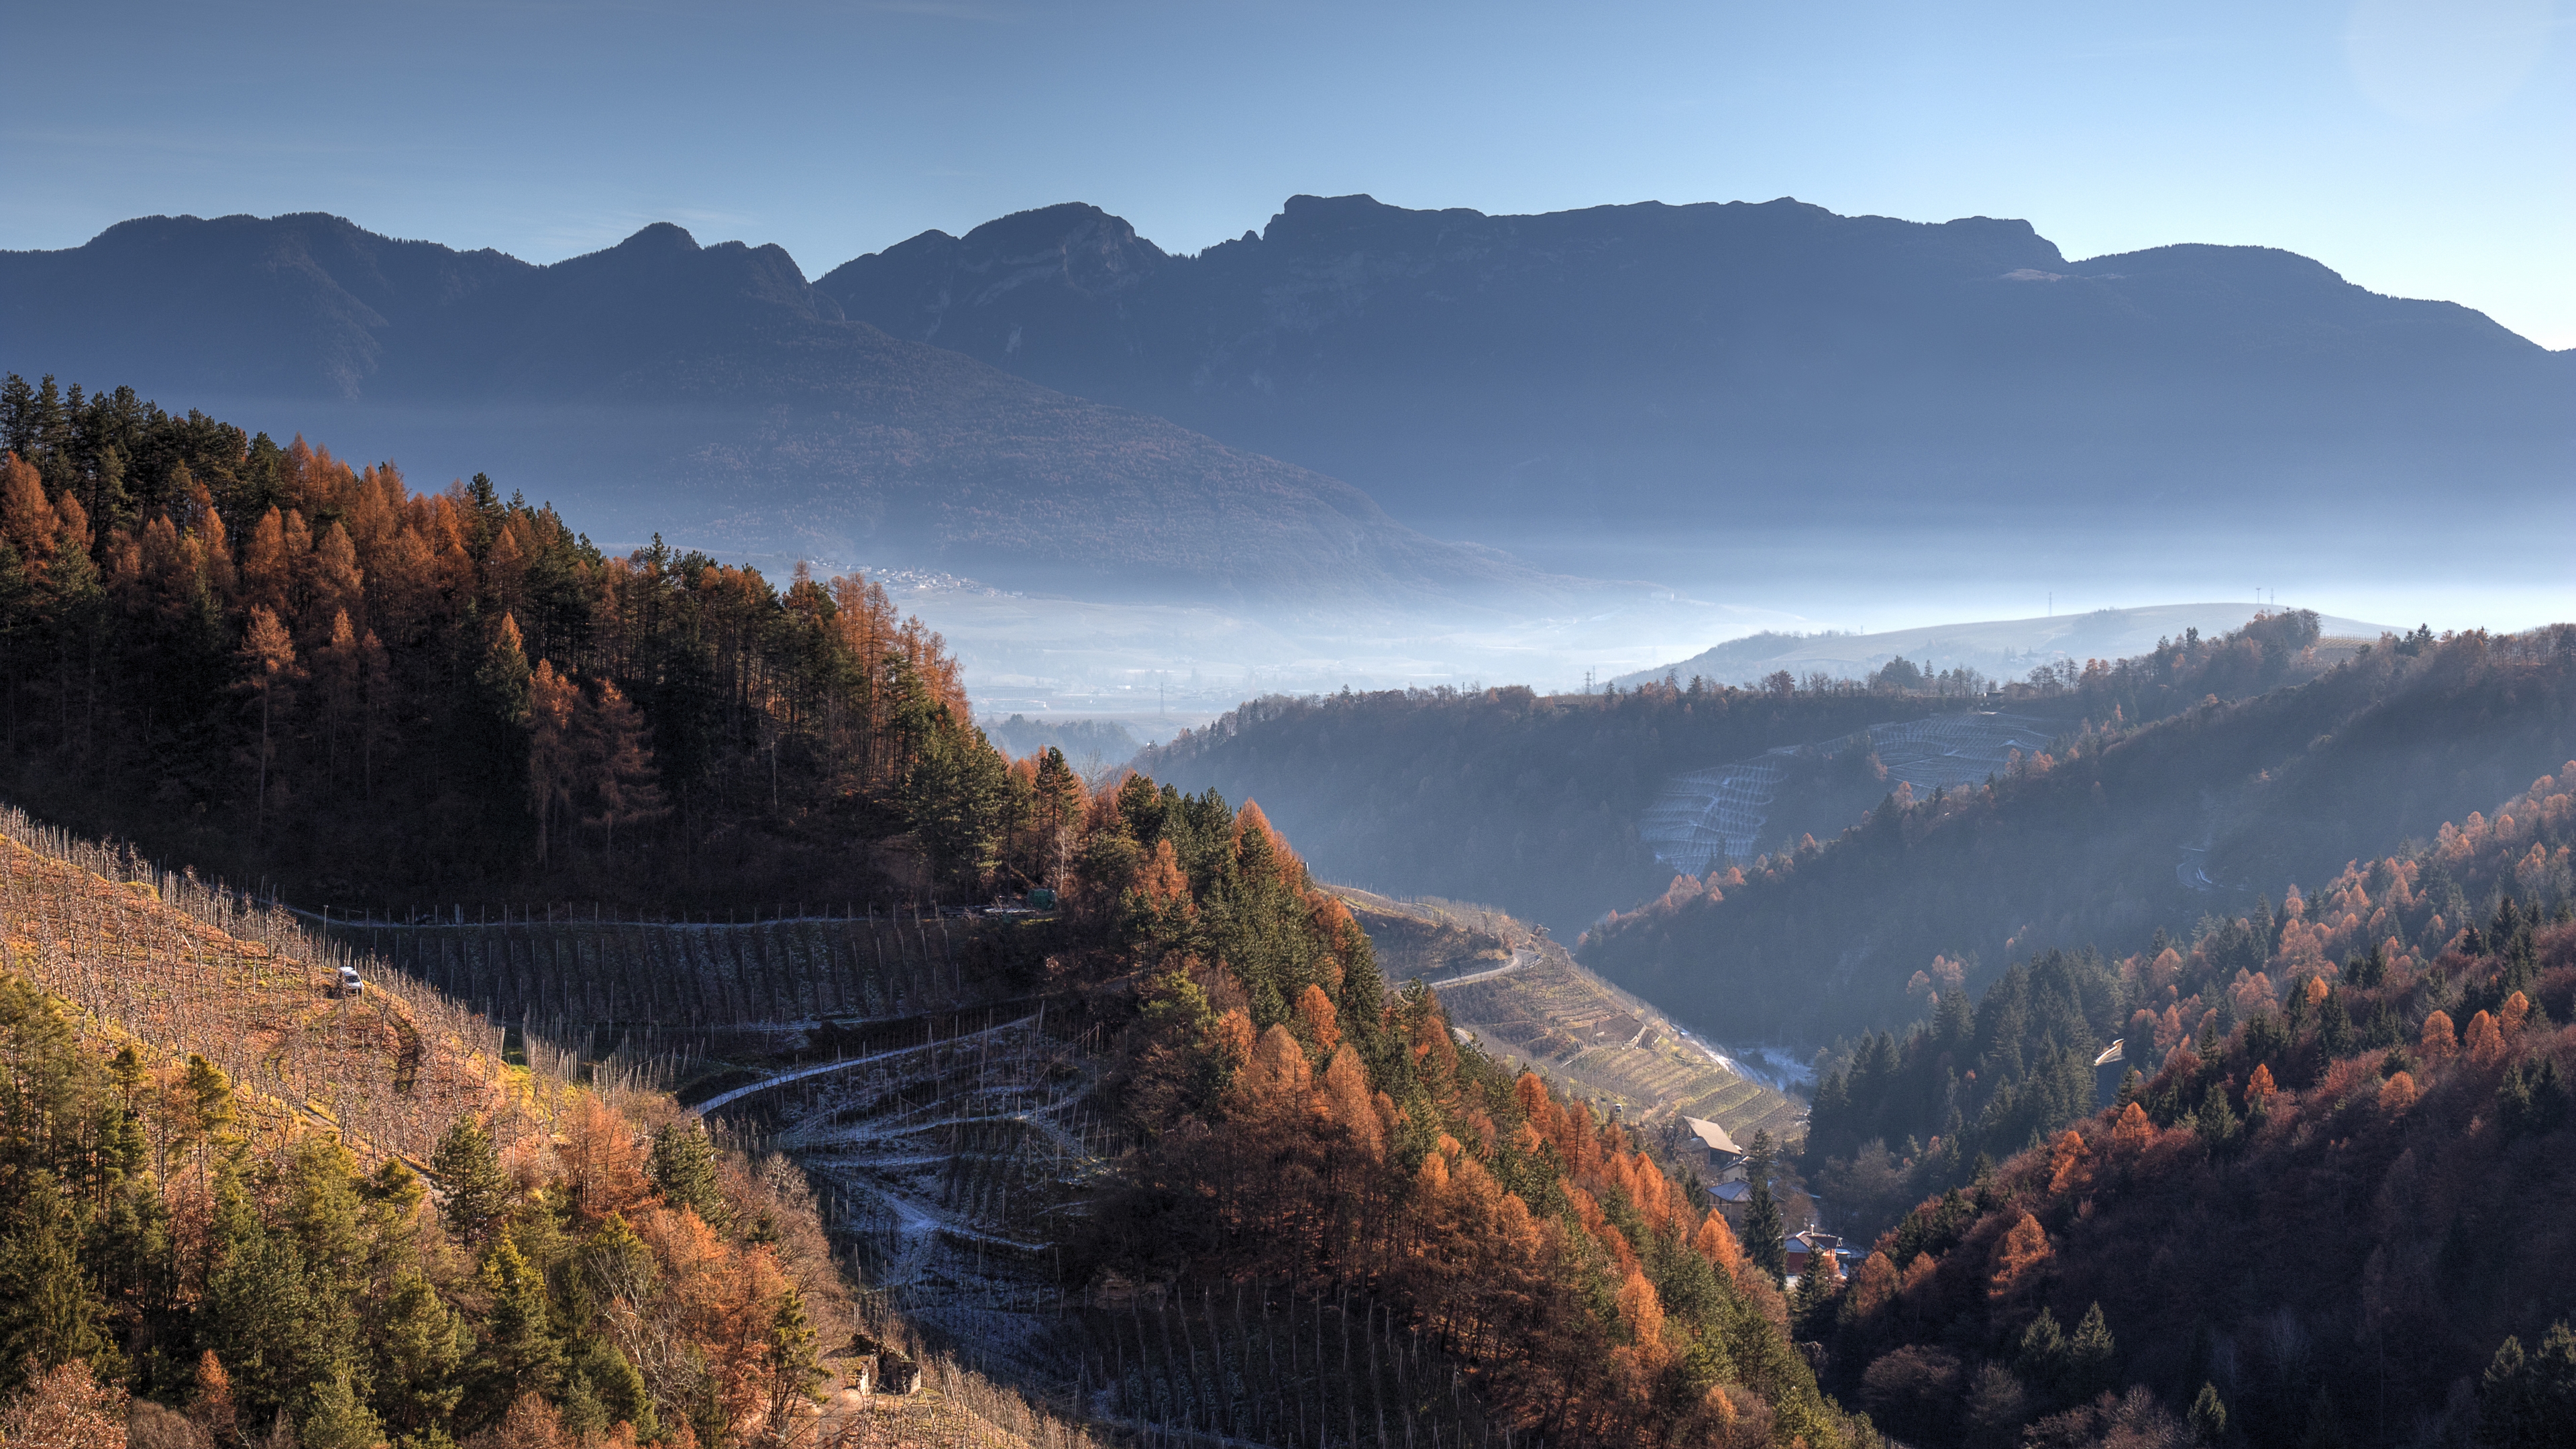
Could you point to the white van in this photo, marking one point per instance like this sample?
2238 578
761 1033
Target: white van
350 984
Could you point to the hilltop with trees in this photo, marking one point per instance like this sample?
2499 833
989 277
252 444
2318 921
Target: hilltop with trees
262 659
2119 829
2310 1214
1530 801
279 666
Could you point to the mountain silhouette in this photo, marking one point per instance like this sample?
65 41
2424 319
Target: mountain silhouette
710 392
1652 366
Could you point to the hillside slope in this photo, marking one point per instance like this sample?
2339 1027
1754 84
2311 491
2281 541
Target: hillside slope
1526 800
1527 1001
2000 649
252 1202
1183 1090
1697 368
2203 812
707 393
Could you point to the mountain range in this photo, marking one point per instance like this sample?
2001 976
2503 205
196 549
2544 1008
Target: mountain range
1053 401
705 391
1709 366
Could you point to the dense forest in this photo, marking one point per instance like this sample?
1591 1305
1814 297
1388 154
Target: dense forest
1532 802
254 657
278 666
1897 1118
1529 801
2122 829
1294 1121
2331 1121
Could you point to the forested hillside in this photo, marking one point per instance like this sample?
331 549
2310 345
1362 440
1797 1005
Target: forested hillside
1526 800
278 666
263 659
2127 829
1533 802
2314 1213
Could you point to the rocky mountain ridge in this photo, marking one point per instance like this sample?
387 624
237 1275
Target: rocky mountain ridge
706 392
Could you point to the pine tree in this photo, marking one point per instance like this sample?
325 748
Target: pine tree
207 1095
337 1419
619 1388
419 1352
479 1193
584 1416
49 1315
2041 1358
518 1353
2208 1416
791 1355
258 1311
683 1169
1812 1307
2217 1122
2090 1356
2526 1401
1766 1244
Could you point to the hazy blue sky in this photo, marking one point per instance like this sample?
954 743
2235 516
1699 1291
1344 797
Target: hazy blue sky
2425 149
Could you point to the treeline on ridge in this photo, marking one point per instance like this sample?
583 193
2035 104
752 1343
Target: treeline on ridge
281 667
1532 801
2309 1215
2078 845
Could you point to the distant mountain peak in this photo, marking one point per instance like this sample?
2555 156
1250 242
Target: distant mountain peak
660 236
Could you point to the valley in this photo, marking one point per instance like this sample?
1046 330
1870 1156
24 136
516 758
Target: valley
1344 874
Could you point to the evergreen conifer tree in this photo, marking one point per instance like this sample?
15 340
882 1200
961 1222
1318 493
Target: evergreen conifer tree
49 1315
2041 1357
2089 1356
419 1352
338 1419
479 1193
793 1357
1765 1236
258 1312
617 1386
2208 1416
518 1353
1813 1305
682 1167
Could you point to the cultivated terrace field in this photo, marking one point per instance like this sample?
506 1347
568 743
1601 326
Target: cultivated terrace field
1525 999
236 1197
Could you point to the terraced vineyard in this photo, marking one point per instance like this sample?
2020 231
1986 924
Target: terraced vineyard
935 1090
938 1095
172 966
776 974
1530 1003
1562 1021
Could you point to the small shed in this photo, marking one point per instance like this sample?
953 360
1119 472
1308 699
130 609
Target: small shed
878 1368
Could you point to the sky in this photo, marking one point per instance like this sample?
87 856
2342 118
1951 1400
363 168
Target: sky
2421 149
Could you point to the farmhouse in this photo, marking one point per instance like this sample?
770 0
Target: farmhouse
1718 1153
